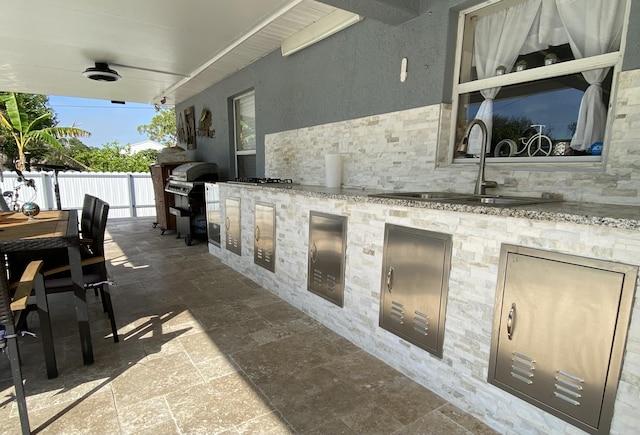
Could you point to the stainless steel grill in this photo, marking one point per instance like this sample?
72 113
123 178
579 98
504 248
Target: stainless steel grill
186 182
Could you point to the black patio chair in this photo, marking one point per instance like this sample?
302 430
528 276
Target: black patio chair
57 277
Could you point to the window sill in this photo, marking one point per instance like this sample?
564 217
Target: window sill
538 163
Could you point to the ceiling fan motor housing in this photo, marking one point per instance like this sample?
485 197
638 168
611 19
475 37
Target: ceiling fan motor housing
101 73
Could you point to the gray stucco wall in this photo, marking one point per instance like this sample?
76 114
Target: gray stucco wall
352 74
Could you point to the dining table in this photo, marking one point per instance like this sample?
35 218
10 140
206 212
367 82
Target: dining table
52 229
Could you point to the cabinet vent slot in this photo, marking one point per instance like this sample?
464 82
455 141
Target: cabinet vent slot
520 378
317 276
421 323
525 357
568 383
566 399
571 393
568 387
523 372
260 253
397 312
523 364
523 367
576 379
267 256
331 283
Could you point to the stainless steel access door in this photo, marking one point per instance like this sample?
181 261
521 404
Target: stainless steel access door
212 205
232 225
327 247
415 281
559 329
264 245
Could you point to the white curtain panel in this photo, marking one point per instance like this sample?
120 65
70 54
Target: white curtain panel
499 37
547 29
594 27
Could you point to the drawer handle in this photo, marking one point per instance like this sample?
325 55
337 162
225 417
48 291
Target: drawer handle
227 223
313 251
390 279
257 233
510 321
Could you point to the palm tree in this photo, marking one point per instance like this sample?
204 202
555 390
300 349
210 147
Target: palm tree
26 133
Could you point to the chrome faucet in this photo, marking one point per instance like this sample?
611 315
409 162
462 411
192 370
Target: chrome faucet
481 183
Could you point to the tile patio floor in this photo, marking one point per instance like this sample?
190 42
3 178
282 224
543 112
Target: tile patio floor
204 350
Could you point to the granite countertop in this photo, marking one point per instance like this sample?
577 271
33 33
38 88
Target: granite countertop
609 215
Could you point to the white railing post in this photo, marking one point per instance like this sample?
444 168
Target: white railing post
132 196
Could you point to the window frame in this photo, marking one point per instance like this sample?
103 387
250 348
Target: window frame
608 60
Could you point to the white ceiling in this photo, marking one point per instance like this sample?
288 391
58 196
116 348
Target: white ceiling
161 48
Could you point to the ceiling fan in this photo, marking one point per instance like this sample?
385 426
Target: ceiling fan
102 73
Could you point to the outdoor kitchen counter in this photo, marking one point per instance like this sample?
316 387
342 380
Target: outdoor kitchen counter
478 233
609 215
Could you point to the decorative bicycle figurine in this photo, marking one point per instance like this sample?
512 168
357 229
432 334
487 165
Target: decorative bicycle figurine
533 142
28 208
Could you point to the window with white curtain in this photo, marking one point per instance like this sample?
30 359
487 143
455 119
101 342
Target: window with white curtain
244 125
540 74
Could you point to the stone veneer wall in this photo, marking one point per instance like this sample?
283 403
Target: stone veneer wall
408 150
461 375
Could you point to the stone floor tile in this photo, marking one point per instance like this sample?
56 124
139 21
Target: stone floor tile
283 358
434 423
473 425
152 378
94 413
312 396
372 420
267 424
217 405
145 415
334 427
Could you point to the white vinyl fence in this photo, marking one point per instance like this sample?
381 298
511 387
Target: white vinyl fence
129 194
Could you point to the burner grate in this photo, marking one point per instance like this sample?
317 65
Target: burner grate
263 180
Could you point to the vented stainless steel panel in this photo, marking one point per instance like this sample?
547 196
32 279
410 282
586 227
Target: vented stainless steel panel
232 225
415 278
212 205
264 245
560 324
327 246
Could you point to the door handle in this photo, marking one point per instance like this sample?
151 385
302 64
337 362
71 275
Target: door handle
313 252
390 279
257 233
227 223
511 320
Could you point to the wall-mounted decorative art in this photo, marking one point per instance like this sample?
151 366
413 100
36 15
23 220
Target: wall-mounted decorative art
204 129
190 128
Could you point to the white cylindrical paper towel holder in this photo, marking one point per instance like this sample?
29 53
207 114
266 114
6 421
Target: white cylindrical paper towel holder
333 169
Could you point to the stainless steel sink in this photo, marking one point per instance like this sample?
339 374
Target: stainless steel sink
425 196
501 201
464 198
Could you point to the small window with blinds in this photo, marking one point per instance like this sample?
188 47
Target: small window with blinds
244 120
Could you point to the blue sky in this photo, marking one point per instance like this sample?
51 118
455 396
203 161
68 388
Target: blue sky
105 121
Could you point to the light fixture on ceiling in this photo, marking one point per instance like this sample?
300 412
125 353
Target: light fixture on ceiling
101 73
323 28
